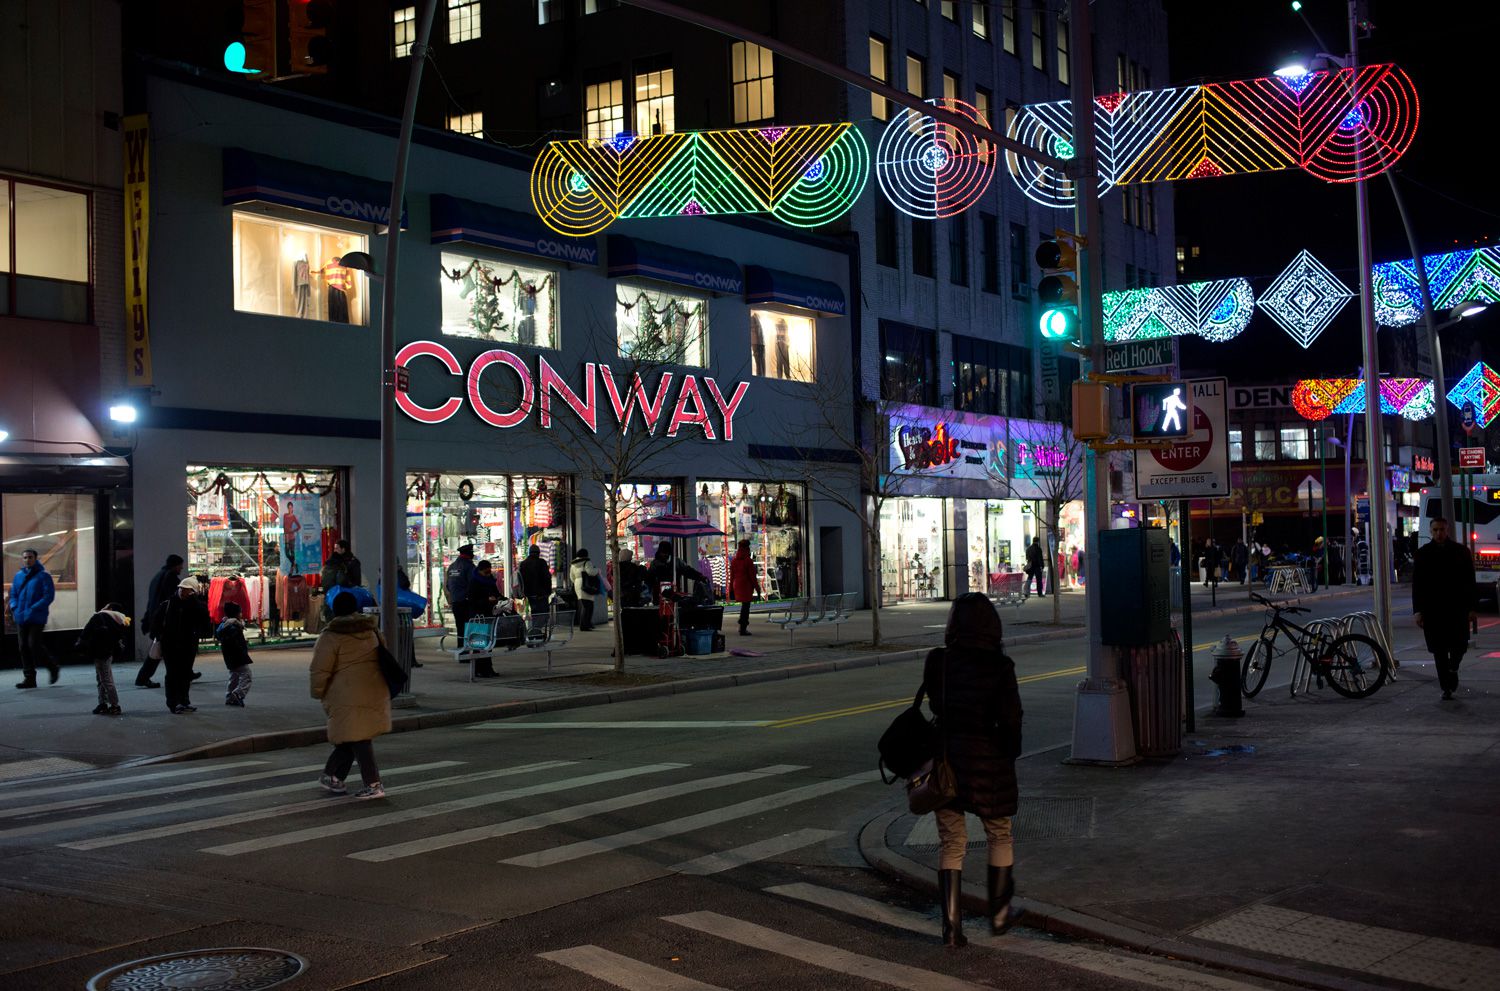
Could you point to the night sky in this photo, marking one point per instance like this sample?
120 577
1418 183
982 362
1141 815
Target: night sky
1253 225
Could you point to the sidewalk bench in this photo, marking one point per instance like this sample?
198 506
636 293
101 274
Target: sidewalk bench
794 614
552 635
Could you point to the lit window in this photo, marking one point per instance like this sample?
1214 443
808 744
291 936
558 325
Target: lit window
981 19
949 9
1181 253
594 6
781 345
880 107
471 124
1062 54
288 269
1236 444
549 11
1265 444
982 102
754 84
1038 42
655 111
604 110
403 31
1008 26
660 327
915 70
498 301
950 92
463 20
50 263
1294 443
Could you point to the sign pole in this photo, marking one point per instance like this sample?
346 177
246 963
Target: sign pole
1323 478
1184 534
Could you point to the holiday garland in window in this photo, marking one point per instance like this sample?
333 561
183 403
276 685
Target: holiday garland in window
489 308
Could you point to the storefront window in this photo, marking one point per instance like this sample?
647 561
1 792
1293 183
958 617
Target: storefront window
638 503
59 526
288 269
768 514
499 301
999 532
911 549
259 536
781 345
657 326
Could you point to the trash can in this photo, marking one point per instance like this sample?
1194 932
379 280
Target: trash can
1154 676
403 647
699 641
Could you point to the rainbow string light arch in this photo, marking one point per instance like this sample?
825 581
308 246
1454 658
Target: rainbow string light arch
1314 122
1318 399
804 175
1218 310
1305 298
930 170
1452 278
1480 387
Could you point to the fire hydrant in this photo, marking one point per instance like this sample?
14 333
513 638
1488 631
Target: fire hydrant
1227 658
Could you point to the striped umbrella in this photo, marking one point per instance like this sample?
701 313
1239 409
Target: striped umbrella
675 525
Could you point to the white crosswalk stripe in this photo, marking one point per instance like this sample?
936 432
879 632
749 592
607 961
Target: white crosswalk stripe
728 860
687 824
623 972
130 794
274 811
570 813
99 779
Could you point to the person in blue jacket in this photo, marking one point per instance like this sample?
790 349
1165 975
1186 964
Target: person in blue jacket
30 599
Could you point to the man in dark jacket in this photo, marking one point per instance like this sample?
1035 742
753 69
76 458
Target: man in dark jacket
630 589
484 592
536 581
662 570
460 576
1239 557
180 623
161 589
1443 596
1035 569
342 567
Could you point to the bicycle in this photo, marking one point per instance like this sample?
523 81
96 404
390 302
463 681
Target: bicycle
1353 664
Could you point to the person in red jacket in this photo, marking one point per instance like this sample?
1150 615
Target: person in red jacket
744 583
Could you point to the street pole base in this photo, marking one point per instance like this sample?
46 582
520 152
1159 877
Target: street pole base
1220 713
1102 728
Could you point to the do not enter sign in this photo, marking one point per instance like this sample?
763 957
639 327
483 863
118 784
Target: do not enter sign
1198 465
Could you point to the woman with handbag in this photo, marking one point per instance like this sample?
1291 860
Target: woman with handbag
587 586
972 690
346 676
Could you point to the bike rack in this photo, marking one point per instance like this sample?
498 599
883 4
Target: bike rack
1364 622
1331 627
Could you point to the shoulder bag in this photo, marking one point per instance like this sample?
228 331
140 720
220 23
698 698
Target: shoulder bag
908 743
390 669
933 786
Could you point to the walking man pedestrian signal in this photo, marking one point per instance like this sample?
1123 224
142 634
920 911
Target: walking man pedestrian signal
1171 408
1160 410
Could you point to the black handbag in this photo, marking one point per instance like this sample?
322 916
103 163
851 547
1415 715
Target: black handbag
390 669
933 785
908 743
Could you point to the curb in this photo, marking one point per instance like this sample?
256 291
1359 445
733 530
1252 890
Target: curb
1078 925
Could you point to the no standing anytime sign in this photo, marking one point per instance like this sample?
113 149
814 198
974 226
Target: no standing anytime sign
1197 466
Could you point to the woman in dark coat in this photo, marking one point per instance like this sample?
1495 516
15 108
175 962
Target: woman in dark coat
971 688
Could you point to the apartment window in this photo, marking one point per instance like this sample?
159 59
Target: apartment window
880 70
471 124
498 301
1062 53
949 9
885 233
1265 444
950 92
463 20
604 109
285 268
1294 443
660 326
908 364
403 31
1020 264
922 260
981 11
1148 220
915 70
1038 41
1120 82
752 81
1008 26
655 111
990 377
1236 444
989 252
982 102
549 11
781 345
44 254
958 250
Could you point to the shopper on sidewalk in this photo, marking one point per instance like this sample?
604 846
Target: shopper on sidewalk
1213 558
1035 569
1444 597
630 590
587 586
104 637
29 602
460 574
1239 558
971 688
231 636
162 586
345 675
744 583
180 623
342 568
1315 563
536 583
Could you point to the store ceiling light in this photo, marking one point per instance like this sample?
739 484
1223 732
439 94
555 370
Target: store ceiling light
122 413
4 436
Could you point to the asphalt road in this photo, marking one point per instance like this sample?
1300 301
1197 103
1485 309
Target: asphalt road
702 841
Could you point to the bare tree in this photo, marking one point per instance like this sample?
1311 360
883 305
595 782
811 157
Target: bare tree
1047 456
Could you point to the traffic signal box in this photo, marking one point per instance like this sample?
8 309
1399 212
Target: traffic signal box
250 47
1057 293
310 49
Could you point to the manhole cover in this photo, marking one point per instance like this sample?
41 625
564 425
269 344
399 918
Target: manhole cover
232 968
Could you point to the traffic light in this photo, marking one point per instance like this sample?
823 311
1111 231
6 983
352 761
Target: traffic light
1057 293
307 34
251 44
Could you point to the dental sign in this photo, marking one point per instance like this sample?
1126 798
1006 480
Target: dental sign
538 393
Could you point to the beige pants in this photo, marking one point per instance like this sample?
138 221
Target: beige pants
953 835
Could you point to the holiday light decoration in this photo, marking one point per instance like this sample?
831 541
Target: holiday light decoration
1216 311
1452 278
1305 298
930 170
1480 387
1316 122
804 175
1318 399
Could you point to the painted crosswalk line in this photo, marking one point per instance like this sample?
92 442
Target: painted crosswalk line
325 801
26 788
427 811
623 972
688 824
728 860
570 813
630 724
128 794
16 771
806 951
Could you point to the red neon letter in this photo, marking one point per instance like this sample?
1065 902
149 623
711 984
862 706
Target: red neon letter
622 409
523 408
728 409
680 414
550 381
406 404
651 409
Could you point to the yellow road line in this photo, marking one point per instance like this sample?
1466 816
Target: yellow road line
1241 638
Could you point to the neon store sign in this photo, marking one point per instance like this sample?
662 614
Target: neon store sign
537 393
924 448
1041 458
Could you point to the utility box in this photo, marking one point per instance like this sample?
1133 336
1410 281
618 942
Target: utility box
1136 605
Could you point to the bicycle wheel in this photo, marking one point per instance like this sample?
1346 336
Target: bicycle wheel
1355 666
1256 667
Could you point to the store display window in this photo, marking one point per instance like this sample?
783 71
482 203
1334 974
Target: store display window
772 516
659 326
781 345
499 301
911 549
259 536
999 531
638 503
502 516
290 269
59 526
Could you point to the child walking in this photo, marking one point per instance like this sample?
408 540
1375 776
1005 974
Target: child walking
231 637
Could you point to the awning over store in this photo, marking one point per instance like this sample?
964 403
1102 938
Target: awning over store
649 260
454 219
72 471
249 177
766 285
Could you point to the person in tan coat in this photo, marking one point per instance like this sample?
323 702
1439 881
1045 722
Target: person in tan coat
346 677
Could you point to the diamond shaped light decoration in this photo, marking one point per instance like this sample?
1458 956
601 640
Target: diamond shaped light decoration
1481 386
1305 298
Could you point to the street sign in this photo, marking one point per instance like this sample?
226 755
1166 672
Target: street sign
1198 465
1467 418
1138 354
1471 457
1160 410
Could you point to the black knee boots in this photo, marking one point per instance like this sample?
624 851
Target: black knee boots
950 896
1002 886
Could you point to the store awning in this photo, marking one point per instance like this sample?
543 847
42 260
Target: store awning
454 219
766 285
73 471
665 263
250 177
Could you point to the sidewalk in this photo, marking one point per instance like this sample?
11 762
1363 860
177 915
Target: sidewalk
1334 843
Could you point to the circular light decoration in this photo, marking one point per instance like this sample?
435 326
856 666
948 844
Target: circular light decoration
829 184
930 170
1347 137
1047 127
564 196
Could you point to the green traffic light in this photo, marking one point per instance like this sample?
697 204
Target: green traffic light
1296 6
1059 323
234 59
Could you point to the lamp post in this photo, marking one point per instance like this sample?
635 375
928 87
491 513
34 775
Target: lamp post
1441 443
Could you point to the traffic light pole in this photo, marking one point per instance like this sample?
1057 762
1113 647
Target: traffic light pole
1102 732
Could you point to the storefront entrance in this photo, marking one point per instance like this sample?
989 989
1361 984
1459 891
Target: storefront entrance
911 549
59 526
